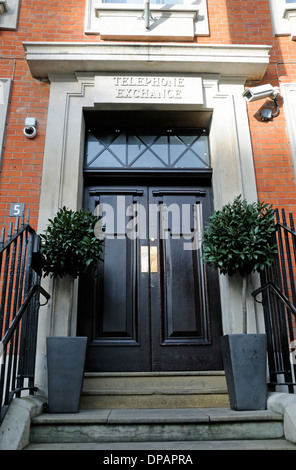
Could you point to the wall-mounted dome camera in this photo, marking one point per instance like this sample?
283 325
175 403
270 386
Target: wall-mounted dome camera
30 132
30 129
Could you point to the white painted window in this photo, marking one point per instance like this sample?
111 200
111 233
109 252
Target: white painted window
170 20
280 19
9 12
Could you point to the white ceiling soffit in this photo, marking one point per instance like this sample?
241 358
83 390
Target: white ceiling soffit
46 58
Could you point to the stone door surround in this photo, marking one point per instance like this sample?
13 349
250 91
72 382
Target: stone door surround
220 71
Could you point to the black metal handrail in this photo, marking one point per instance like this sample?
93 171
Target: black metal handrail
280 345
278 292
20 291
17 319
279 306
8 392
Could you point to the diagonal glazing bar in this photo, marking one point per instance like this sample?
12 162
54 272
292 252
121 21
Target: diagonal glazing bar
148 147
106 147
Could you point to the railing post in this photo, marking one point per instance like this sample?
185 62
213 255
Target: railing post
19 307
26 339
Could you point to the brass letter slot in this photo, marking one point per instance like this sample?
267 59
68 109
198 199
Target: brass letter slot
153 259
145 259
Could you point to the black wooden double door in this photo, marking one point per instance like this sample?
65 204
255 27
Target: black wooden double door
152 305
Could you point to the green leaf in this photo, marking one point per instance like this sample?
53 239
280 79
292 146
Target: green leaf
239 237
69 245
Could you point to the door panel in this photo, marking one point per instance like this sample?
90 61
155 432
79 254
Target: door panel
152 305
180 274
182 326
117 310
113 304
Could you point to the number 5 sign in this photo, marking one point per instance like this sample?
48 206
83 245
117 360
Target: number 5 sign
16 209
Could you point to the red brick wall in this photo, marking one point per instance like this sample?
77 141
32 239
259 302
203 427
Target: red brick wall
231 21
22 158
249 22
39 20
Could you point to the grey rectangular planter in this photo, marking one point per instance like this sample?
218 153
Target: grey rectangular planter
244 359
65 369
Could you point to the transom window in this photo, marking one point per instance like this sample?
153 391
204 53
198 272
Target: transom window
165 149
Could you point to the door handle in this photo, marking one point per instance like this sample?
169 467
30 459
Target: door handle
147 263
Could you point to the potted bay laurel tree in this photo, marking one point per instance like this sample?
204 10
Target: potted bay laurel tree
239 240
69 248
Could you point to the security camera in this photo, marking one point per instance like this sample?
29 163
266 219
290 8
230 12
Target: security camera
261 92
30 129
30 132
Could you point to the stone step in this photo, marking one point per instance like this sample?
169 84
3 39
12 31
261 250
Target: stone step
154 390
156 425
176 446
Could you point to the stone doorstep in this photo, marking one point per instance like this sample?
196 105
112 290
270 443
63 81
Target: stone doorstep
154 383
189 382
152 391
153 401
163 416
140 390
280 406
155 425
176 446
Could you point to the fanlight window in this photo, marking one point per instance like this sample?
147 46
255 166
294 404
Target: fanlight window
167 149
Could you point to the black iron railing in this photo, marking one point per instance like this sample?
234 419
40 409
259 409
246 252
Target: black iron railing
19 305
279 304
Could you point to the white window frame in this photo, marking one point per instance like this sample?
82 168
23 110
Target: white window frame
9 13
122 21
281 20
5 87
